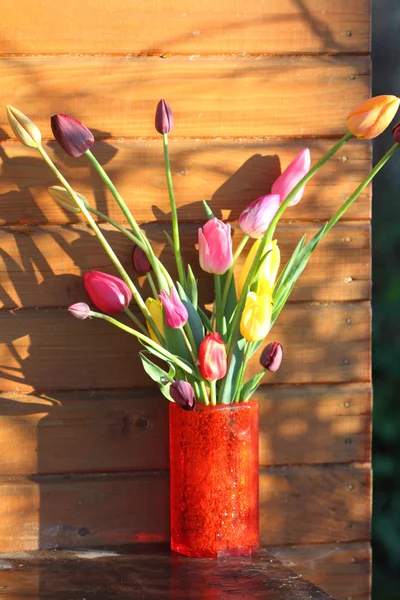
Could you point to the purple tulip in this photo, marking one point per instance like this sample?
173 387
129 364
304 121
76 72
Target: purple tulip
72 135
215 247
271 357
183 394
175 311
396 133
291 176
164 120
80 310
140 261
110 294
255 219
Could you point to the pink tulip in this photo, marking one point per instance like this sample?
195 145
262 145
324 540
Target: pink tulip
80 310
291 176
255 219
215 247
175 311
110 294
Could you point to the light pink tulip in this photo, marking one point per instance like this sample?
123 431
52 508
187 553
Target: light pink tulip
255 219
215 247
176 314
291 176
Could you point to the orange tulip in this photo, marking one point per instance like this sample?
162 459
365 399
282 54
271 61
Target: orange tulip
371 117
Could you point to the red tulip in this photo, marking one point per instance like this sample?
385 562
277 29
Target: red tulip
212 357
110 294
72 135
183 394
271 357
164 120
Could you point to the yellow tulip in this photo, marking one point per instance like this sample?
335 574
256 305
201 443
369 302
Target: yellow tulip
268 271
155 309
256 317
371 117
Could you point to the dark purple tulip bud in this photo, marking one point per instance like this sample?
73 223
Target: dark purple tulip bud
396 133
72 135
140 261
271 357
164 118
183 394
80 310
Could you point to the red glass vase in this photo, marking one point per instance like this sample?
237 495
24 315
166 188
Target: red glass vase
214 480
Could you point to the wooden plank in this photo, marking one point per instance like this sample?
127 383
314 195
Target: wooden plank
235 97
227 173
58 256
133 27
322 504
88 432
342 570
50 350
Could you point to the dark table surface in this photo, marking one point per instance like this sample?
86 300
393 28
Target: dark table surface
148 572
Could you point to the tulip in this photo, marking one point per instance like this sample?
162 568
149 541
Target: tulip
62 197
291 176
271 357
175 311
140 261
72 135
25 129
212 357
156 312
215 247
256 317
396 133
268 271
164 120
371 117
110 294
183 394
255 219
80 310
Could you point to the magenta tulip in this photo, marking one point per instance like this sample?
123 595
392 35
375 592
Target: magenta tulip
72 135
110 294
80 310
183 394
140 261
175 311
164 120
291 176
271 357
255 219
215 247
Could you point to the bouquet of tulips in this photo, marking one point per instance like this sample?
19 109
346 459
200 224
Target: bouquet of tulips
203 352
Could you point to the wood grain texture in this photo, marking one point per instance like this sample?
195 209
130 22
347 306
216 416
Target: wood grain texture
131 27
235 97
50 350
342 570
321 504
228 173
42 266
88 432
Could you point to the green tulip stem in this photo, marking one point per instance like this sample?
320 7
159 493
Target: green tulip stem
129 217
134 318
148 341
110 252
192 349
241 373
229 274
152 285
257 380
218 303
174 214
213 393
120 228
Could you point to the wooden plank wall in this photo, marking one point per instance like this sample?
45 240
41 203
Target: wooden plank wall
83 436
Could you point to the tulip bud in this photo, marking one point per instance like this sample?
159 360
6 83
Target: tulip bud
256 317
156 312
62 197
212 357
183 394
72 135
80 310
140 261
164 120
110 294
255 219
371 117
25 129
215 247
396 133
271 357
175 311
291 176
268 271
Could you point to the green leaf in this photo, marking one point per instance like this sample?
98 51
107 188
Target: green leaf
171 243
195 322
205 320
192 291
250 386
209 213
155 372
231 301
229 383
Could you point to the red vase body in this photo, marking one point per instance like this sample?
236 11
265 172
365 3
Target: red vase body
214 480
